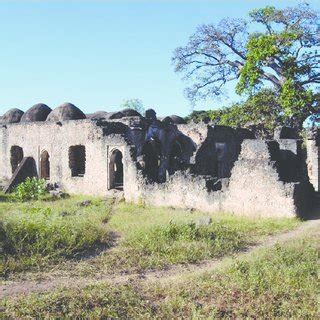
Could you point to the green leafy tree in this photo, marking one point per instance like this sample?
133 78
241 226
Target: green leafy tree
135 104
261 111
283 56
199 116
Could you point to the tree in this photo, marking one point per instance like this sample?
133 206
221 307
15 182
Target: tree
282 55
135 104
261 111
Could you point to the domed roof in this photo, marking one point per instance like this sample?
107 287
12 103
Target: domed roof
177 120
97 115
12 116
66 111
38 112
130 113
167 121
114 115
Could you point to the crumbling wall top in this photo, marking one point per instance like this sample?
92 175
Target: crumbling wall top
285 133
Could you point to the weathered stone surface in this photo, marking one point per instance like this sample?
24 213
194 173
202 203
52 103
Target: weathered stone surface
255 185
130 113
254 188
114 115
177 120
314 134
27 168
12 116
313 163
58 194
38 112
66 111
97 115
285 133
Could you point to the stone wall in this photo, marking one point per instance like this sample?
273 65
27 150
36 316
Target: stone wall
254 188
216 169
56 138
313 157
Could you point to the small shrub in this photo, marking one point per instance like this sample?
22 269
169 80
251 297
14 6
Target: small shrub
31 189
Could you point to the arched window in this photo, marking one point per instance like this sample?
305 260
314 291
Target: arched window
116 170
151 152
16 156
77 160
44 165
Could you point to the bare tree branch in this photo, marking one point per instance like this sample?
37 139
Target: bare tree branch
217 54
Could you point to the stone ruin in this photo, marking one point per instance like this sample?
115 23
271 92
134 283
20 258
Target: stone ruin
163 162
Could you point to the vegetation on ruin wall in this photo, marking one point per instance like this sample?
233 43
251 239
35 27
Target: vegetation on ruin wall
38 234
273 59
279 282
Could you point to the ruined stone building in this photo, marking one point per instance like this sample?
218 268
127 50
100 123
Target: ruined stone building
160 161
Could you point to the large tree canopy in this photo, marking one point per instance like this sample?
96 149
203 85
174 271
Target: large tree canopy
260 112
283 54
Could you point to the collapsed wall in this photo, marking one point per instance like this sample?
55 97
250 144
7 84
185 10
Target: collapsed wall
253 189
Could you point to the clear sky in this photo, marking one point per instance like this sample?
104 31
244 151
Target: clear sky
96 54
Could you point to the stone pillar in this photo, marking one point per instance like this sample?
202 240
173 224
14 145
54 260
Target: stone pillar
313 157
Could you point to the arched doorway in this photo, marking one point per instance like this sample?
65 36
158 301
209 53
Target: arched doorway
175 160
151 153
45 165
116 170
16 156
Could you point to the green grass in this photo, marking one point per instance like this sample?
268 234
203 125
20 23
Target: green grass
94 302
157 237
41 234
278 282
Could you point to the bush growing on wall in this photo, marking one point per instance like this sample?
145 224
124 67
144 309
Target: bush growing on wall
31 189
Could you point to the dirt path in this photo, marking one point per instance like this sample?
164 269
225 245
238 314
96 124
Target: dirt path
167 275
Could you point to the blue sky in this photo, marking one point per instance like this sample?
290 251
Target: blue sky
96 54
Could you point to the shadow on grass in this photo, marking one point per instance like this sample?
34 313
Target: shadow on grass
7 198
41 263
97 249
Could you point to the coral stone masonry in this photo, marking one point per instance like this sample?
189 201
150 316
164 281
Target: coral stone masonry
161 162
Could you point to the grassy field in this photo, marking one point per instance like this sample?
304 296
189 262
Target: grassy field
156 237
35 234
278 282
103 237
